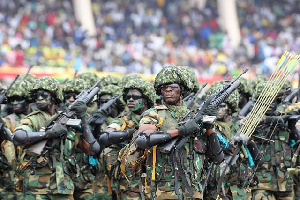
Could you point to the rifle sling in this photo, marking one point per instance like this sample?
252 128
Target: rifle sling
220 182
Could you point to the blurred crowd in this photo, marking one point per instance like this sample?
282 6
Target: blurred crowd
136 36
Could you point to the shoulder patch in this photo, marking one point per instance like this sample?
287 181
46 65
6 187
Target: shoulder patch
161 107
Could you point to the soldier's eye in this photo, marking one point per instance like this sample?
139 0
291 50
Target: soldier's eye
134 97
172 86
42 94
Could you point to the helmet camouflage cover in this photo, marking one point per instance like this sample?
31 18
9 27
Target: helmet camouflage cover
110 80
256 80
145 87
50 84
27 77
129 77
245 87
76 85
113 90
20 88
173 74
193 78
90 77
232 100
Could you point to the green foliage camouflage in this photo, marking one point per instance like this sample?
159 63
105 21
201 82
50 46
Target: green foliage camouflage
129 77
76 85
21 88
256 80
144 86
232 100
193 77
110 80
27 77
90 77
50 84
173 74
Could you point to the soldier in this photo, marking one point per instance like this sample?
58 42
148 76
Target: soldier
20 98
104 95
226 128
273 138
41 165
92 79
245 92
73 88
140 96
174 172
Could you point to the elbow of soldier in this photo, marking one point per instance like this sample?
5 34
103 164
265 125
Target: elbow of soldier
20 137
142 141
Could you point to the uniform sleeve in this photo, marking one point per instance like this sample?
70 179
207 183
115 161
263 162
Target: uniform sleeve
26 124
150 117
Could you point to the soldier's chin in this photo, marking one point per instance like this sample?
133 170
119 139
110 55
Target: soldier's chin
43 107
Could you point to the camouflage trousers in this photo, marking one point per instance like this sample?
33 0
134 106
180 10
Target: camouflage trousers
88 194
48 197
6 195
271 195
131 190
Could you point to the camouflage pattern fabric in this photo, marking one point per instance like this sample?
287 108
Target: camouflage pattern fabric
232 100
173 74
27 77
20 89
145 87
113 90
13 120
32 170
129 77
193 77
256 80
76 85
50 84
90 77
163 185
245 87
277 157
110 80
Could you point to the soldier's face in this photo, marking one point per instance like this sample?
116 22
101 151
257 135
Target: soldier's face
43 99
135 101
104 98
70 97
19 104
171 93
223 111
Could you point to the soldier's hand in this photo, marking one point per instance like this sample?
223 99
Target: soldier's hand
188 128
211 110
56 131
80 108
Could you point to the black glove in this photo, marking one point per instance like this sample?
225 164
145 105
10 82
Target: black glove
56 131
188 128
80 108
274 120
211 110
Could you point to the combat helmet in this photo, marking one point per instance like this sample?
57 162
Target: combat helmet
90 77
50 84
245 88
193 77
173 74
129 77
20 88
145 87
27 77
109 80
232 100
112 90
256 80
76 85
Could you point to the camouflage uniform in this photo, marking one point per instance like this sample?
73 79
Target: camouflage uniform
295 174
104 165
274 182
42 175
84 178
131 158
236 179
159 171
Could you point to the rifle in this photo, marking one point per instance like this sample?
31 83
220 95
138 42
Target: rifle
95 119
288 99
191 98
67 117
3 95
246 109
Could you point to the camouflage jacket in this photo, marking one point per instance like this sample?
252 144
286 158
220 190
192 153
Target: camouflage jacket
13 120
44 173
159 167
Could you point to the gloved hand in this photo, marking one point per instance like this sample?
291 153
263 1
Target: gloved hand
274 120
211 111
56 131
239 137
80 108
188 128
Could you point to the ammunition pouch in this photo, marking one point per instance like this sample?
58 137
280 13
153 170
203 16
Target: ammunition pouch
145 141
215 152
